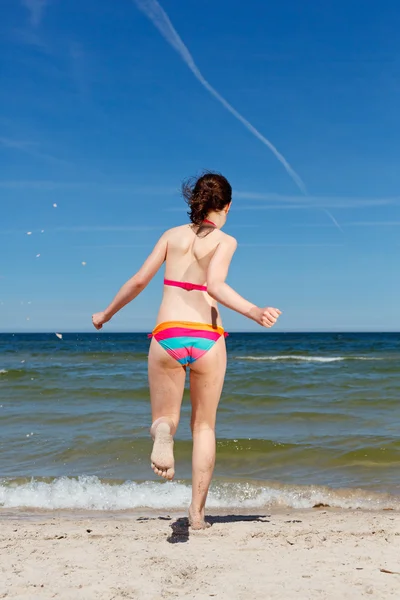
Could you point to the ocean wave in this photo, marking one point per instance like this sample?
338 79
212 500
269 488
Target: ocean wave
16 373
299 357
90 493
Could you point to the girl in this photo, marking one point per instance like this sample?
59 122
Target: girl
189 330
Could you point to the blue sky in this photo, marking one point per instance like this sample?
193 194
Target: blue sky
101 116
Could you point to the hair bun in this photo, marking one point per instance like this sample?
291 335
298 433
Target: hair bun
210 192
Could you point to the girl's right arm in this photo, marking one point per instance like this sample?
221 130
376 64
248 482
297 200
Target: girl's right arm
135 284
225 295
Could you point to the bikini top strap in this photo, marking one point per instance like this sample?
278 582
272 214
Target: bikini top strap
186 285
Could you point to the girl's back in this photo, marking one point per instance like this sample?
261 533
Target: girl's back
190 249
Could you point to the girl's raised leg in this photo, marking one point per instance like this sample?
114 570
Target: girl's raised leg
167 383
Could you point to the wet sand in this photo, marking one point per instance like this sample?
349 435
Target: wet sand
315 554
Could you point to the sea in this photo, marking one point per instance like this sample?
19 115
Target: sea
305 420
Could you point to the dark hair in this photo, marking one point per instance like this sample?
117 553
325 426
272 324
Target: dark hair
211 191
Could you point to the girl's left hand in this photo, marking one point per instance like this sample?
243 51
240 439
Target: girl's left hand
98 319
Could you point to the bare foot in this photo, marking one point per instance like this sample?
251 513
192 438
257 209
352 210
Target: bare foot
197 519
162 456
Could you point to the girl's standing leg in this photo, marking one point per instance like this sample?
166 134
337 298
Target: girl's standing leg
167 383
206 381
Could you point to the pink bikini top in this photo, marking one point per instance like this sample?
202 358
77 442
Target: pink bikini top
185 285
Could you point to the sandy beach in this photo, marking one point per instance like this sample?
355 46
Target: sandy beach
314 554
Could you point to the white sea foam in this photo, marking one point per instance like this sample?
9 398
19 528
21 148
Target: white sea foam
3 371
292 357
90 493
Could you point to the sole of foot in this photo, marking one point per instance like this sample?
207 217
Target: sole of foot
162 456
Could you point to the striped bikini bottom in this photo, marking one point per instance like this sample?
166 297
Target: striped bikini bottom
186 341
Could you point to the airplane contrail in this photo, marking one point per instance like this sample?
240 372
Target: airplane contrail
332 218
160 19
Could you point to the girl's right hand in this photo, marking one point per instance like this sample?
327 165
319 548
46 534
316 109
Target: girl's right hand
267 317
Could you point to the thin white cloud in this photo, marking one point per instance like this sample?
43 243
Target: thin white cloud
262 245
275 207
113 246
352 224
308 203
107 228
373 224
129 188
34 185
261 207
266 196
86 229
160 19
30 148
28 37
278 201
313 201
36 10
15 144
